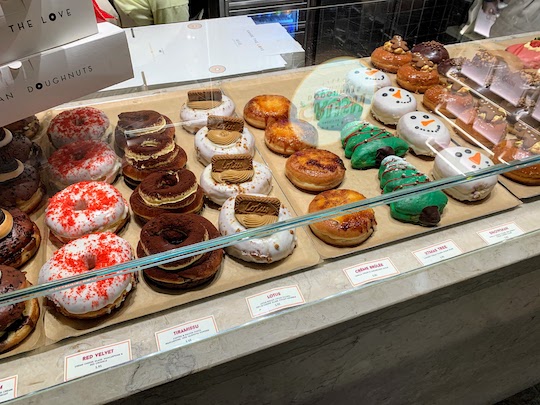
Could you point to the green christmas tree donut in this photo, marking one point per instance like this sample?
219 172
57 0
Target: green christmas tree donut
334 110
367 145
425 209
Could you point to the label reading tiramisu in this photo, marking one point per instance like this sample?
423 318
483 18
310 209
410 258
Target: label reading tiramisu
254 211
232 168
186 333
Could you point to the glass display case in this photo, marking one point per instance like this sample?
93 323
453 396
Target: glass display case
174 229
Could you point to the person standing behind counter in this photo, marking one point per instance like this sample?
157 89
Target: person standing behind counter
517 17
149 12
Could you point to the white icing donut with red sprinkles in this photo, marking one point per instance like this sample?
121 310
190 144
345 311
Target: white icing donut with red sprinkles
79 124
89 253
86 207
83 161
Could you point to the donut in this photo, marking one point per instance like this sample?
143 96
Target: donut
252 178
78 124
520 88
391 103
20 147
456 161
362 82
260 109
171 231
315 169
418 75
367 145
347 230
449 100
433 50
528 53
83 161
391 55
288 136
83 208
484 123
452 65
172 191
223 136
19 237
20 185
268 249
145 123
202 103
334 110
510 150
84 255
18 320
28 127
481 67
424 132
424 209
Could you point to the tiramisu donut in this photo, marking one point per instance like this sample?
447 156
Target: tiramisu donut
28 127
229 175
78 124
171 191
261 108
17 321
288 136
201 104
391 55
171 231
19 237
346 230
418 75
83 208
245 211
145 123
20 185
83 161
315 169
19 147
86 254
223 136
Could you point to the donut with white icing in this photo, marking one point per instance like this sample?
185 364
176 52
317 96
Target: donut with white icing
79 124
268 249
83 208
424 132
91 252
457 161
205 148
391 103
261 183
83 161
195 119
361 83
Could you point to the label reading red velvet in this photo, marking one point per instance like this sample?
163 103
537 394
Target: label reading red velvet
274 300
8 388
436 253
369 272
500 233
186 333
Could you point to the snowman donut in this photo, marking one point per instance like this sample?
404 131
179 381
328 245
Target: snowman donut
424 132
456 161
391 103
363 82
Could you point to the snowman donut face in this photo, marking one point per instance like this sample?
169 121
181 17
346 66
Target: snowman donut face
465 159
422 130
393 96
362 82
424 122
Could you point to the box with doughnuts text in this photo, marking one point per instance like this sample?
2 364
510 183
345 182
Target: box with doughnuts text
31 26
62 74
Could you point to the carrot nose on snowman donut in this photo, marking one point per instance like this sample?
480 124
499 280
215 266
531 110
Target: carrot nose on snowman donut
397 94
426 123
476 158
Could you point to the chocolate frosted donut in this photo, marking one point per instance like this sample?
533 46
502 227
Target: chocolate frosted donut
144 123
11 280
28 127
20 147
20 185
19 237
433 50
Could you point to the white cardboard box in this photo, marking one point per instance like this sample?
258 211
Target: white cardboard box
32 26
62 74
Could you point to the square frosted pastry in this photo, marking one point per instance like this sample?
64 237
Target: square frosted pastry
481 67
519 88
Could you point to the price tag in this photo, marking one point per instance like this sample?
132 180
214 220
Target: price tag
500 233
274 300
8 388
436 253
186 333
90 361
370 271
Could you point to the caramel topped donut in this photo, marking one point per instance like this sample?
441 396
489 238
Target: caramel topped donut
20 147
78 124
260 109
145 124
391 55
20 185
315 169
286 137
19 237
418 75
28 127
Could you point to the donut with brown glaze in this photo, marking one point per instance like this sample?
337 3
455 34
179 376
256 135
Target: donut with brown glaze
418 75
315 169
433 50
288 136
391 55
262 108
19 237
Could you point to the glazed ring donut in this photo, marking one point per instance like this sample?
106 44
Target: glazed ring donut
78 124
91 252
17 321
191 271
346 230
19 237
286 137
205 148
83 208
196 118
315 169
260 109
83 161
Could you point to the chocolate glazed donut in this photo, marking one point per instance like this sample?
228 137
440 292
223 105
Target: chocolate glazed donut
20 147
21 242
146 120
15 192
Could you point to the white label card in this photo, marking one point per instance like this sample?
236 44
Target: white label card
8 388
436 253
368 272
186 333
500 233
274 300
90 361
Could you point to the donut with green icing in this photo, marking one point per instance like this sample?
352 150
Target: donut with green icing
424 209
367 145
334 110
